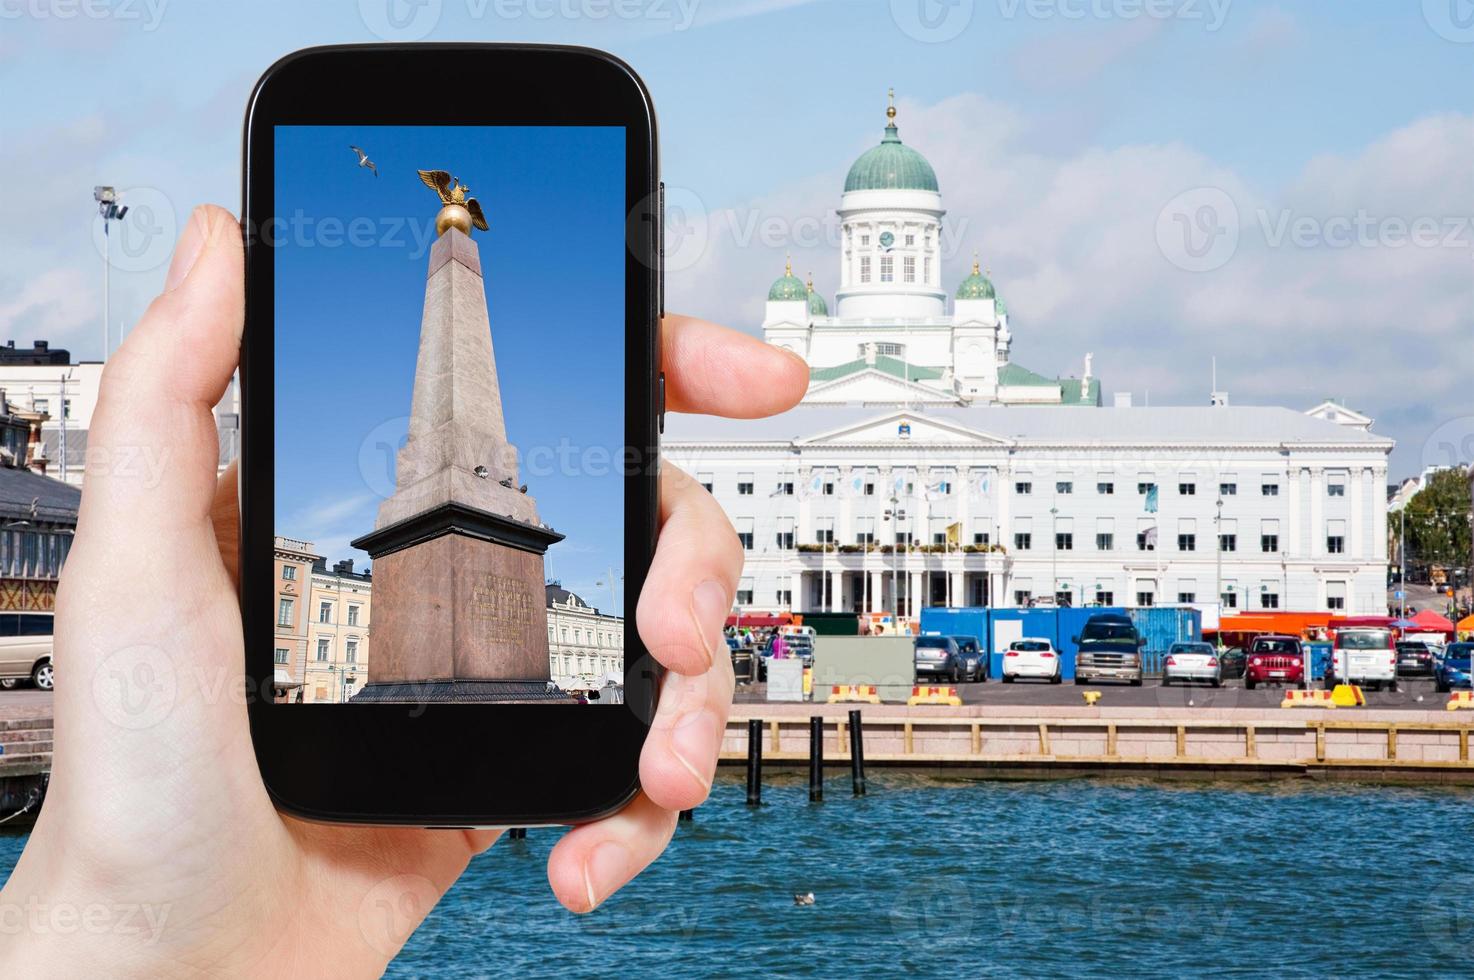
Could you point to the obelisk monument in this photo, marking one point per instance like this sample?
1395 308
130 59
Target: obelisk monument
459 611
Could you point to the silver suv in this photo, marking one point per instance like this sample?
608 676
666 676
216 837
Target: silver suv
25 649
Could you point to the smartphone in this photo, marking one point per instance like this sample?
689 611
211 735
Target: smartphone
451 405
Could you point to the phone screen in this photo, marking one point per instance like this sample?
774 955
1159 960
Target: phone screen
449 414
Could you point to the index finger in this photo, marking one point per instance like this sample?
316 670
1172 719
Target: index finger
712 370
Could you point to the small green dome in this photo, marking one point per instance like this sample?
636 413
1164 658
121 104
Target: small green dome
891 166
976 286
788 286
817 306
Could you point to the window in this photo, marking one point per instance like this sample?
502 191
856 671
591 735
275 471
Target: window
1023 542
1335 544
1336 487
284 613
744 489
864 261
785 489
1144 598
1269 543
282 654
353 615
1228 489
1187 489
1336 596
1064 541
869 488
1269 490
1105 598
1145 488
926 269
288 572
827 488
981 538
910 239
864 239
745 539
1023 488
322 649
908 269
939 537
825 534
744 597
785 597
705 479
865 531
1064 486
1146 541
1105 541
325 612
1105 489
784 538
1187 542
40 405
1228 542
1230 599
1022 597
887 268
1269 600
903 538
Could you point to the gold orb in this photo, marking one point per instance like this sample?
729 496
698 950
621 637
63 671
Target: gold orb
453 216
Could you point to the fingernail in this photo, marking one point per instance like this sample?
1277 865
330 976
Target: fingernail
709 606
697 729
604 871
188 249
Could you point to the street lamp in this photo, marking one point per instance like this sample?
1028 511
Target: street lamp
109 210
898 515
1218 554
1054 554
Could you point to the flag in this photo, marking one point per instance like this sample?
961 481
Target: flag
954 535
1151 499
857 483
1151 538
983 484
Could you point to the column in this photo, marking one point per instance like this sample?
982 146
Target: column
877 591
836 590
916 599
959 593
1316 543
799 600
1355 531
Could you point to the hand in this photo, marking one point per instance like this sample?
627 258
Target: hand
160 808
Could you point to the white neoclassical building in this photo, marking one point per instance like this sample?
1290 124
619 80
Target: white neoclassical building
924 468
585 646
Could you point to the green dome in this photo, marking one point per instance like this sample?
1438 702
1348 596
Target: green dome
1002 307
817 306
788 286
891 166
976 286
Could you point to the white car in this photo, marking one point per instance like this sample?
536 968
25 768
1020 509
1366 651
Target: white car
1031 657
1192 662
25 649
1363 655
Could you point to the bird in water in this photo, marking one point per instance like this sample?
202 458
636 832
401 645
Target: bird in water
364 161
807 898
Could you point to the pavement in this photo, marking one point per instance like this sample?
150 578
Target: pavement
25 704
1413 694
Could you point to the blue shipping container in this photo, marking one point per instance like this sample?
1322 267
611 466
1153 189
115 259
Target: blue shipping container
1162 626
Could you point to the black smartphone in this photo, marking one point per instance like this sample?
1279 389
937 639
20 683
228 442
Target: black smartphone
451 403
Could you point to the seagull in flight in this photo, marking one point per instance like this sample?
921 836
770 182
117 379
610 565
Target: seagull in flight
364 161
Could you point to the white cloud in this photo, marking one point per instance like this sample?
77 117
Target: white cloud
1072 241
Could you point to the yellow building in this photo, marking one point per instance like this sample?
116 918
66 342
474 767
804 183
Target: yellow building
337 633
293 568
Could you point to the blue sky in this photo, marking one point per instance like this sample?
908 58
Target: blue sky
348 319
1061 131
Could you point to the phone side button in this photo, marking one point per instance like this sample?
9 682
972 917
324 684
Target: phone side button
660 394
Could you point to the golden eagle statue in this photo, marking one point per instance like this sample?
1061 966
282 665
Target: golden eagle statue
459 211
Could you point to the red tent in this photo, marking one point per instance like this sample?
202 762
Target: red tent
1430 622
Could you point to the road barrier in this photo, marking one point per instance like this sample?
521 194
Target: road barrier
934 695
1348 696
1460 699
1308 699
854 694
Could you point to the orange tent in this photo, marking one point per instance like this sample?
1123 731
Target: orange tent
1290 623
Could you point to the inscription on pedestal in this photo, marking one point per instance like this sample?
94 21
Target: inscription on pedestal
502 606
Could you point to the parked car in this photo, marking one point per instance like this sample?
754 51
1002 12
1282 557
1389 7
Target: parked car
1453 668
1192 662
1274 659
799 645
1363 655
25 648
1233 660
1032 657
1110 649
1414 659
974 660
938 656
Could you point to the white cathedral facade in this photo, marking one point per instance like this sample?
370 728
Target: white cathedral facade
925 468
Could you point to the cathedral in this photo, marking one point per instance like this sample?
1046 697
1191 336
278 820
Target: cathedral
890 340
